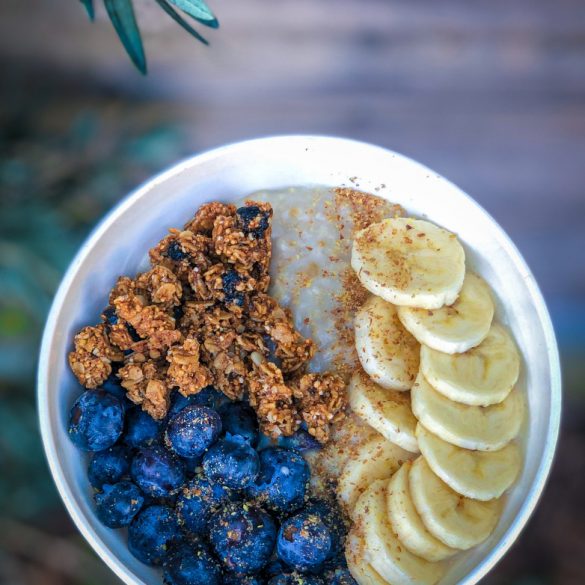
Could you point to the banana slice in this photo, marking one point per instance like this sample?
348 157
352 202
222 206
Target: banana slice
407 523
457 521
385 552
482 376
358 566
375 459
486 428
455 328
479 475
386 350
387 411
409 262
327 463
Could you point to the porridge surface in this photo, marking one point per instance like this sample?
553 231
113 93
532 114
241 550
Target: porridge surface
311 274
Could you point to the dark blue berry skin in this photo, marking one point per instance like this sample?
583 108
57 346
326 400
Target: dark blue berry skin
175 252
243 537
191 563
243 580
275 567
239 418
295 579
250 213
271 346
109 466
109 316
229 281
208 396
331 515
301 441
118 503
232 463
157 472
341 577
197 501
151 533
193 430
304 542
141 429
282 483
112 386
133 333
96 421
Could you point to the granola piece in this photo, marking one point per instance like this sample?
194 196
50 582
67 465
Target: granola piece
150 322
93 355
162 285
146 384
283 341
322 401
185 370
202 222
192 319
273 400
181 252
229 371
244 240
124 286
228 286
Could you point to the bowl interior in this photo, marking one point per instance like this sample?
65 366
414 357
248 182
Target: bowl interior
119 245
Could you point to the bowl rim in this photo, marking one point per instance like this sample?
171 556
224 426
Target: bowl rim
64 488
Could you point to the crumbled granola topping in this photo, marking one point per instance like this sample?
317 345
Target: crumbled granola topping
201 316
93 355
322 401
146 384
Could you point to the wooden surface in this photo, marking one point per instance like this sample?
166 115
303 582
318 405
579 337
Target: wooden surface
489 93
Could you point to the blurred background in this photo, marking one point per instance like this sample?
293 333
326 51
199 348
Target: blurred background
489 94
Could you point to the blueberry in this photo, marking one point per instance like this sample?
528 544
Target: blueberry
332 516
96 420
239 418
242 580
109 315
304 542
271 346
109 466
118 503
133 333
197 501
341 577
231 462
275 567
282 482
178 312
295 579
191 563
151 533
193 430
243 537
230 281
112 386
141 428
252 214
208 396
300 441
175 252
157 472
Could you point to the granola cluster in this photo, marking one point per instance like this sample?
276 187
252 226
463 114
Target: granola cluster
201 316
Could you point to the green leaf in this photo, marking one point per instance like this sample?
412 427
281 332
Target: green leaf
199 10
122 16
179 19
89 8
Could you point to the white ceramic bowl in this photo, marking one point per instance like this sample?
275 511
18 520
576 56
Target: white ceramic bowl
118 245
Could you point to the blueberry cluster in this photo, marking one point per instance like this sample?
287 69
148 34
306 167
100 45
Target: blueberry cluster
205 495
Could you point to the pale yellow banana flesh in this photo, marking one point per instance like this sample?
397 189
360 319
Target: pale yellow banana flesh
409 262
387 351
387 411
455 328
